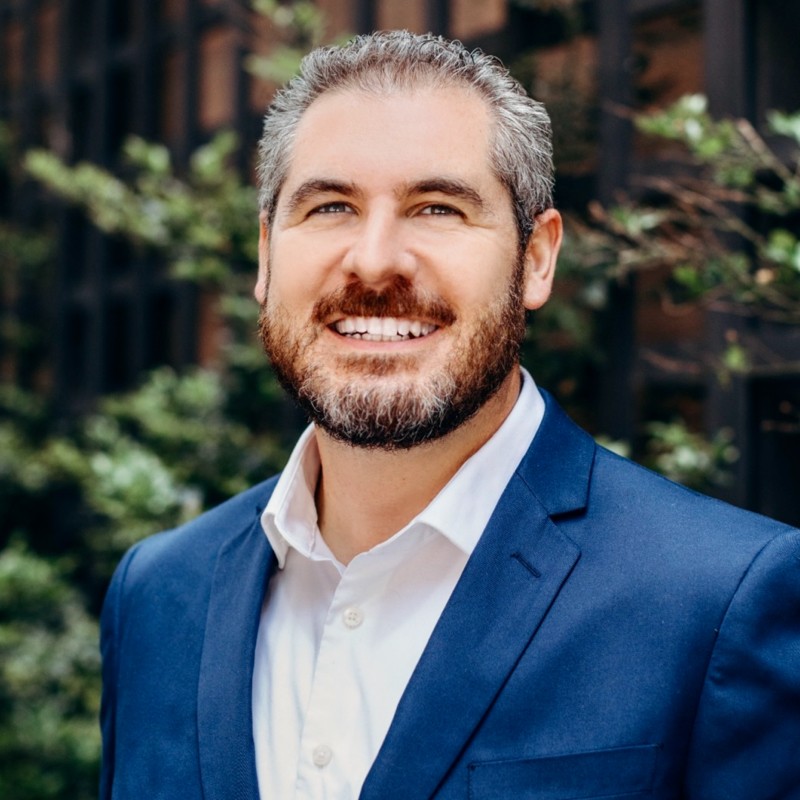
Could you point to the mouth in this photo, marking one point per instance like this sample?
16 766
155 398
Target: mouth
383 329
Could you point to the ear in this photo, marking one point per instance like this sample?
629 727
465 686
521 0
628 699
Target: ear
540 258
260 290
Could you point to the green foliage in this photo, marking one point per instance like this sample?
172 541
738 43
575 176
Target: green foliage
687 457
25 254
146 460
721 228
785 124
22 251
28 482
300 25
683 455
689 122
561 348
717 228
49 682
203 223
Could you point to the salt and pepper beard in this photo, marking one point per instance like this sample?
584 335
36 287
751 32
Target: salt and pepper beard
358 401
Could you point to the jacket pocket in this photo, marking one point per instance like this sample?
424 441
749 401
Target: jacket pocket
624 773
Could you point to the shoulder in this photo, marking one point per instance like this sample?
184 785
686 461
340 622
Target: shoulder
163 584
621 488
623 514
690 550
192 549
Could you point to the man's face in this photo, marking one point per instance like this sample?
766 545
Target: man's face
391 280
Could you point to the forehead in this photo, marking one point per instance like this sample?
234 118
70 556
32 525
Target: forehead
400 136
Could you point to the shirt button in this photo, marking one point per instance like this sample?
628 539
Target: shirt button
322 755
353 616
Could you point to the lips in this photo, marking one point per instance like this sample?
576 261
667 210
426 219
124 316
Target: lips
383 329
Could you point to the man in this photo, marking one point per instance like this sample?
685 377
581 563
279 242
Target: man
450 591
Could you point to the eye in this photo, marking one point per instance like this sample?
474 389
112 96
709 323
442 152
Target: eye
439 209
331 208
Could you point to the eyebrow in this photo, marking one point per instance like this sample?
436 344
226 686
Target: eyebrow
448 186
317 186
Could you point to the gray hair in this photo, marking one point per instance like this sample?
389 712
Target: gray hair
521 150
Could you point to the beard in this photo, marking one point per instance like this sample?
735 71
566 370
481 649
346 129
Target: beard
390 402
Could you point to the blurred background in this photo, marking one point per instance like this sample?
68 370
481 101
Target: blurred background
133 393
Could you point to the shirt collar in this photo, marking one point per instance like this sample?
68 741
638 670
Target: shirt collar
463 507
459 512
290 518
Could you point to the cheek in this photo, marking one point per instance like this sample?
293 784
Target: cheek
294 276
303 267
478 276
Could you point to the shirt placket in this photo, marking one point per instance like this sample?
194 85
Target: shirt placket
332 741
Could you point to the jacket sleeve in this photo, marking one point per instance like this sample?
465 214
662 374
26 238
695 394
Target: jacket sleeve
746 740
109 650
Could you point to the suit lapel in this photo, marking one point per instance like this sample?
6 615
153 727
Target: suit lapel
507 588
224 709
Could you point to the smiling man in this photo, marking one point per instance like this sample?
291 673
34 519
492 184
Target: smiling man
450 591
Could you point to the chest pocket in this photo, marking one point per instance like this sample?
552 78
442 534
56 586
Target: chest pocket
624 773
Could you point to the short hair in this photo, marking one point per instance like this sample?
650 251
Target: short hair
521 150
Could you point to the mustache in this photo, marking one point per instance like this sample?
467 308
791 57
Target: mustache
400 299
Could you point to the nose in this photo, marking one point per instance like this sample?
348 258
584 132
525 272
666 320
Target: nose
379 252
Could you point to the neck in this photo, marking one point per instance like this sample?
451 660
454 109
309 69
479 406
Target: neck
364 496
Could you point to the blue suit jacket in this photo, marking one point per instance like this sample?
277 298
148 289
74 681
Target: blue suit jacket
612 636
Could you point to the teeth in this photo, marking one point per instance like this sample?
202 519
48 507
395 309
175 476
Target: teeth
382 329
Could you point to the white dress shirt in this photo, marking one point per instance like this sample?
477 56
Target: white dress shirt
337 644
